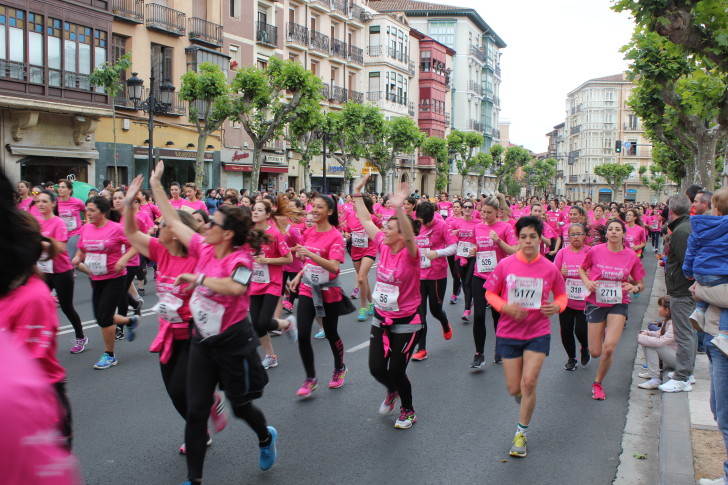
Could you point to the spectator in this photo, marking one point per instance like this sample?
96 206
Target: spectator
701 205
658 345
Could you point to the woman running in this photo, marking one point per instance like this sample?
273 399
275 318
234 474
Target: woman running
606 271
194 196
320 294
573 320
464 230
396 325
456 214
635 237
363 255
24 193
444 206
58 271
69 210
294 236
223 344
435 242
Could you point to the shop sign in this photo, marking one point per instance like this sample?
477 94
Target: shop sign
366 171
239 156
335 168
371 166
166 152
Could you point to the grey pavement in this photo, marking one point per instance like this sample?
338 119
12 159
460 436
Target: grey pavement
127 432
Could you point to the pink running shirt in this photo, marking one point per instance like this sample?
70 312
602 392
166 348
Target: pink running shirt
437 236
56 229
70 212
488 253
103 248
574 286
396 293
604 265
328 245
268 278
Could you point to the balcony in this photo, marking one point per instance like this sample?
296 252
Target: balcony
374 95
489 94
411 66
495 133
320 42
322 3
375 50
165 19
397 54
356 55
13 70
338 94
475 126
339 6
356 97
477 52
325 91
338 48
297 34
129 10
573 179
475 87
447 118
411 108
498 70
575 129
632 127
204 32
266 34
396 98
357 13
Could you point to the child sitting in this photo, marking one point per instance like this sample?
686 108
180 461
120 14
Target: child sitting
658 345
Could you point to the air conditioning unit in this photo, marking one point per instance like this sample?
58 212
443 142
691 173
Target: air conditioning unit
275 159
366 16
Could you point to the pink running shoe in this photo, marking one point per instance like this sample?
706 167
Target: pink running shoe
309 385
337 380
288 306
387 405
598 392
218 414
355 294
79 344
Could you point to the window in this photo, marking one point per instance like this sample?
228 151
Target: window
197 55
293 57
235 54
443 31
162 62
632 150
263 16
373 85
35 48
633 122
425 61
314 68
262 63
235 8
118 49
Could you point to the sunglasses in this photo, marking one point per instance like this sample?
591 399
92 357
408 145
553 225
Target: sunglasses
213 224
577 234
468 207
35 192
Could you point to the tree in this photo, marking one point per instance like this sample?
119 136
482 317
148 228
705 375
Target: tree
397 135
496 151
542 173
464 143
268 99
436 148
515 158
614 174
305 138
208 94
107 76
481 162
656 182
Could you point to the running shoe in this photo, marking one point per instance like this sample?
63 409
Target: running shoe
650 384
370 309
218 414
309 385
131 328
598 392
183 448
292 330
276 333
585 356
105 361
570 364
466 315
691 379
268 454
420 355
478 361
355 294
387 405
119 333
138 307
675 386
288 306
321 334
270 361
497 359
518 397
453 299
337 379
406 419
447 334
79 344
518 448
362 315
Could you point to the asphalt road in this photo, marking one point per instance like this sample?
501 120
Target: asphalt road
127 432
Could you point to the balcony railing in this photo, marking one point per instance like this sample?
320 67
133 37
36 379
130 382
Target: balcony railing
357 13
356 97
498 70
298 34
325 91
319 42
496 133
411 108
266 34
573 179
575 129
475 87
374 95
338 48
12 70
339 6
323 3
411 66
356 54
397 54
205 32
130 10
475 125
338 94
447 118
396 98
375 50
166 19
477 52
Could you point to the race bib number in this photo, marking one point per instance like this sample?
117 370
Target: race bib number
526 292
261 274
385 297
207 315
316 274
359 239
168 307
96 263
70 221
443 212
654 225
424 260
575 289
45 265
486 261
609 292
463 249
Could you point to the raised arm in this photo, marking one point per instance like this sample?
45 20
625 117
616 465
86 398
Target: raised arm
407 230
137 238
361 210
171 218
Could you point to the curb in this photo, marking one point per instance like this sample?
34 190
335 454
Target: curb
676 446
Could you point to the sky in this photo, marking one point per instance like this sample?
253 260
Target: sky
552 48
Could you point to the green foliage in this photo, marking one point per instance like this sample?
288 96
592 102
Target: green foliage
615 175
108 75
397 136
515 157
436 148
542 173
304 137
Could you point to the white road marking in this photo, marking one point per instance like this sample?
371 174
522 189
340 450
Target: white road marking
92 323
363 345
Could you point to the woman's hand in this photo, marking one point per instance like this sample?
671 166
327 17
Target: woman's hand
515 311
361 184
260 259
494 237
397 200
134 188
471 252
431 255
119 266
564 270
591 286
550 309
293 284
189 278
157 173
630 288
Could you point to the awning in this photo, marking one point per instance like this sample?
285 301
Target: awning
53 152
631 191
239 167
605 191
52 162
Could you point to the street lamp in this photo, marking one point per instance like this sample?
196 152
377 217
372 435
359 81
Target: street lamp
452 152
152 106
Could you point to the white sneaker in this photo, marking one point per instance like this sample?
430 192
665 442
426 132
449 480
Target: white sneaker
712 481
721 343
270 361
697 319
644 375
691 379
651 384
675 386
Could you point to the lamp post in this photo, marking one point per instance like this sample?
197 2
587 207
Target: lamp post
452 152
152 106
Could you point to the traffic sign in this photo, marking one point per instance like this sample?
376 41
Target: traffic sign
627 145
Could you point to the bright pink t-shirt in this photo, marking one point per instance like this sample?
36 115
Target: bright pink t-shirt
144 223
445 206
437 236
515 274
572 260
56 229
24 205
603 264
329 245
555 220
465 232
196 205
485 245
634 237
294 236
548 233
276 248
386 214
152 210
104 248
30 316
70 212
399 272
177 204
33 209
352 224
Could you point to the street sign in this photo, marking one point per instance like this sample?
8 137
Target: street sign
627 145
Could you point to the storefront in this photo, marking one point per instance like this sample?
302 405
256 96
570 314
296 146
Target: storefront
272 179
40 165
179 165
631 195
605 195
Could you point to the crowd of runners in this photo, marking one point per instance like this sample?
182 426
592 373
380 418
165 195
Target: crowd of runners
227 267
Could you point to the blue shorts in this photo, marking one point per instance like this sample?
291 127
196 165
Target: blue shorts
598 314
511 348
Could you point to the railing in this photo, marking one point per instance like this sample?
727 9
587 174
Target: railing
296 33
356 12
275 144
475 125
338 48
323 3
477 52
356 97
131 10
374 95
447 118
319 42
632 127
396 98
74 80
496 100
338 94
12 70
498 70
325 91
206 32
573 179
397 54
411 108
165 19
475 87
489 94
356 54
575 129
339 6
496 133
121 101
411 68
266 34
375 50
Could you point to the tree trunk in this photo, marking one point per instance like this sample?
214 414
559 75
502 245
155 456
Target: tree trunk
255 174
113 126
705 162
200 158
307 178
462 185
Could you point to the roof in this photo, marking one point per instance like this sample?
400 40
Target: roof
612 78
415 8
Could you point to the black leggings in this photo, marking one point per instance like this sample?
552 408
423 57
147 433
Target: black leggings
655 238
433 290
479 307
262 308
174 375
292 295
456 283
65 426
392 369
466 277
105 298
573 322
123 306
305 316
203 375
63 284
